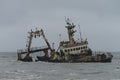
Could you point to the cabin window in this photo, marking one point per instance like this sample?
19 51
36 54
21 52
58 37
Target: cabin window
78 48
81 48
68 50
74 49
65 50
84 47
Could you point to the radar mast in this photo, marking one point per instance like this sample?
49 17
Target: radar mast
70 27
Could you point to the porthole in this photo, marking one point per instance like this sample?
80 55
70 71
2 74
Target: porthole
74 49
65 50
81 48
68 50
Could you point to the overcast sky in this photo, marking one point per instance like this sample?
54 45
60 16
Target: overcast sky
99 21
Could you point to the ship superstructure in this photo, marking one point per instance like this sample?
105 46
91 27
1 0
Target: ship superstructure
73 48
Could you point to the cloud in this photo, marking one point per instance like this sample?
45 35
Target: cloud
99 20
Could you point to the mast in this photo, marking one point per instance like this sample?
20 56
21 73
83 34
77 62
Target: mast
70 27
80 32
30 41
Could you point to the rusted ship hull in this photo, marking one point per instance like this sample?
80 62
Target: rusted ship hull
81 60
45 59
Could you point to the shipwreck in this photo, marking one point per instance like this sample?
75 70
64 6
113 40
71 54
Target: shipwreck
68 51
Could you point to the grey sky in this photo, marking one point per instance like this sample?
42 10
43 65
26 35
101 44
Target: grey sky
99 20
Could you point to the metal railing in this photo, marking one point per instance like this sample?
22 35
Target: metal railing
32 49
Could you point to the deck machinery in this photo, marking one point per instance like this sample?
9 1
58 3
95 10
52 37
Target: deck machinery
29 49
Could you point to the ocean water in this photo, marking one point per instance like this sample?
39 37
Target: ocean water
11 69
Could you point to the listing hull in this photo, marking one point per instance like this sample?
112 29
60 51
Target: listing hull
81 60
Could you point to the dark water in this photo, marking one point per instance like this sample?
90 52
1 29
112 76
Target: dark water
11 69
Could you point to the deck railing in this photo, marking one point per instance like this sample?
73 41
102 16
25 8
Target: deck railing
33 49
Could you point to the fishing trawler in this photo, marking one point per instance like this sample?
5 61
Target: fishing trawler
68 51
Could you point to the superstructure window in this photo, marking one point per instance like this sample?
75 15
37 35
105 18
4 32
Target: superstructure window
84 47
81 48
65 50
74 49
68 50
77 48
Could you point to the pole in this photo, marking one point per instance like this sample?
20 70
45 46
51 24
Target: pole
60 37
80 32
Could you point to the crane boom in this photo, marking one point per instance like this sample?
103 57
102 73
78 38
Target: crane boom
48 44
35 34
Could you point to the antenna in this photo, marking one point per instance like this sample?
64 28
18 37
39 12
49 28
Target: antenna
53 45
65 19
36 29
80 32
60 37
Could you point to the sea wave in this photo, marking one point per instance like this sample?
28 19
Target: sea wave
11 69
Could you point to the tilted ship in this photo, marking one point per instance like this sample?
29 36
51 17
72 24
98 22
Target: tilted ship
68 51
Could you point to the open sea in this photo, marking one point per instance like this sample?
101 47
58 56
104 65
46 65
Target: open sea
11 69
